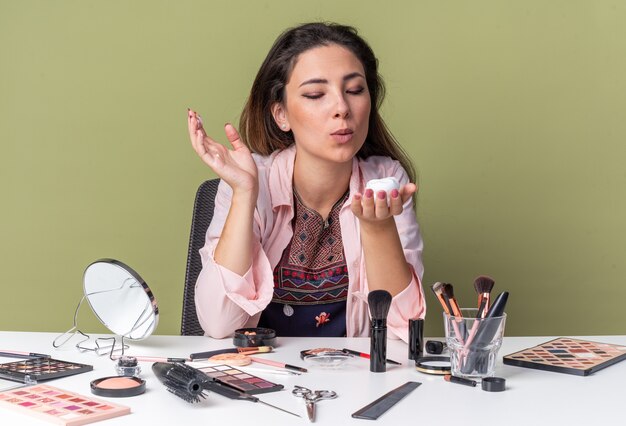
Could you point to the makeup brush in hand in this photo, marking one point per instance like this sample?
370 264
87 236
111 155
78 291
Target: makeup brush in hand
379 303
189 384
483 286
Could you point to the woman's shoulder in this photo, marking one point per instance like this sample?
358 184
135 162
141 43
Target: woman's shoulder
279 159
275 172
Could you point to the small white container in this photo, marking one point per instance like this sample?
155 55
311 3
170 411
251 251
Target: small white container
387 184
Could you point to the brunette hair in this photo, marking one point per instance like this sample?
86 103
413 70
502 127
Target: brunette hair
258 128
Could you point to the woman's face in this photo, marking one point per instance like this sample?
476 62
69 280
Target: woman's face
326 104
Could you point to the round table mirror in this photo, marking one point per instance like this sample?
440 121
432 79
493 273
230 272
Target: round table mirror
121 299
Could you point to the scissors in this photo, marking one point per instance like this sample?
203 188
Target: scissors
311 397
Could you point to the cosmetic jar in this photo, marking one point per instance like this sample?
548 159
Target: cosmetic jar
127 366
493 384
252 337
435 347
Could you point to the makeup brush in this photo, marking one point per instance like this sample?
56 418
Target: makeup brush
379 303
20 354
483 286
246 351
437 288
188 383
447 293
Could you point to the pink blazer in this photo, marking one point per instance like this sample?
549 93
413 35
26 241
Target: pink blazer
226 301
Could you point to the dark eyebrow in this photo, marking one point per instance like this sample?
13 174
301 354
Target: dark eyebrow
324 81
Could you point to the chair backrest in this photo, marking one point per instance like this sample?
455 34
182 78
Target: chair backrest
200 221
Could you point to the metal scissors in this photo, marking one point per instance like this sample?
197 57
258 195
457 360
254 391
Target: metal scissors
311 397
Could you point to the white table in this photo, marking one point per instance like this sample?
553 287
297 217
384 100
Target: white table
532 396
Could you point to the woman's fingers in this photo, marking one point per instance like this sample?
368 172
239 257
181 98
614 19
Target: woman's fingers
201 148
369 209
381 206
356 206
395 202
407 191
202 144
194 122
233 137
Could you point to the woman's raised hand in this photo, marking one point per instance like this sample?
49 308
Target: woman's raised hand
373 207
235 166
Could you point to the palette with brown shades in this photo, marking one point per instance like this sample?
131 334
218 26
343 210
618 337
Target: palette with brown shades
35 370
59 406
240 380
570 356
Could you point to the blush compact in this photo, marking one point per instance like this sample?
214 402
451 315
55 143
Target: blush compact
118 386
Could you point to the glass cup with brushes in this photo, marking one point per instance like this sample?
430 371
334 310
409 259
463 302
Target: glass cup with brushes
474 340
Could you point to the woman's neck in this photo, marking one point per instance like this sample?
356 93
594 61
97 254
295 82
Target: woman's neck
320 186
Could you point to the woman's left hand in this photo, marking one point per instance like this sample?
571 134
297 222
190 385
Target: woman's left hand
373 207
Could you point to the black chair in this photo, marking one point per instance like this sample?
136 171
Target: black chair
200 221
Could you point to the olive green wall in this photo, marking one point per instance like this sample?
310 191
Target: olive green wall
513 111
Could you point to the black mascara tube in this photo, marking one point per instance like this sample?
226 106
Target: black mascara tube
378 346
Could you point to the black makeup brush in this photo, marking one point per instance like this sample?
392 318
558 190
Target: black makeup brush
448 295
379 302
188 383
483 286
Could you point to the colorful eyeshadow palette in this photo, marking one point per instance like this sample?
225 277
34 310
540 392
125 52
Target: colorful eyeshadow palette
38 369
237 379
58 406
570 356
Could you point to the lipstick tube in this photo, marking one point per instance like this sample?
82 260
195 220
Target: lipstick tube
416 338
459 380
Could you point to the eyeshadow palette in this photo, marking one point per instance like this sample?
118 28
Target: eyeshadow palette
58 406
240 380
570 356
35 370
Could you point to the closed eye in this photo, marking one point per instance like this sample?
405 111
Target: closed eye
356 91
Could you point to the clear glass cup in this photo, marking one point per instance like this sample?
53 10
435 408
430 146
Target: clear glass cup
473 343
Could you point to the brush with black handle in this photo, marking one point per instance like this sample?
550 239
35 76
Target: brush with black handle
189 384
379 303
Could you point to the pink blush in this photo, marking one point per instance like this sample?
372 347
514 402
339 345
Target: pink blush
118 383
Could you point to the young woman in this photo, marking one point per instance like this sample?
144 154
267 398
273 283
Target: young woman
297 241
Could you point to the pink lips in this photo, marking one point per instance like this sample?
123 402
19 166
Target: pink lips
342 135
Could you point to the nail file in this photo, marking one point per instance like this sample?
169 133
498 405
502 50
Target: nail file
377 408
